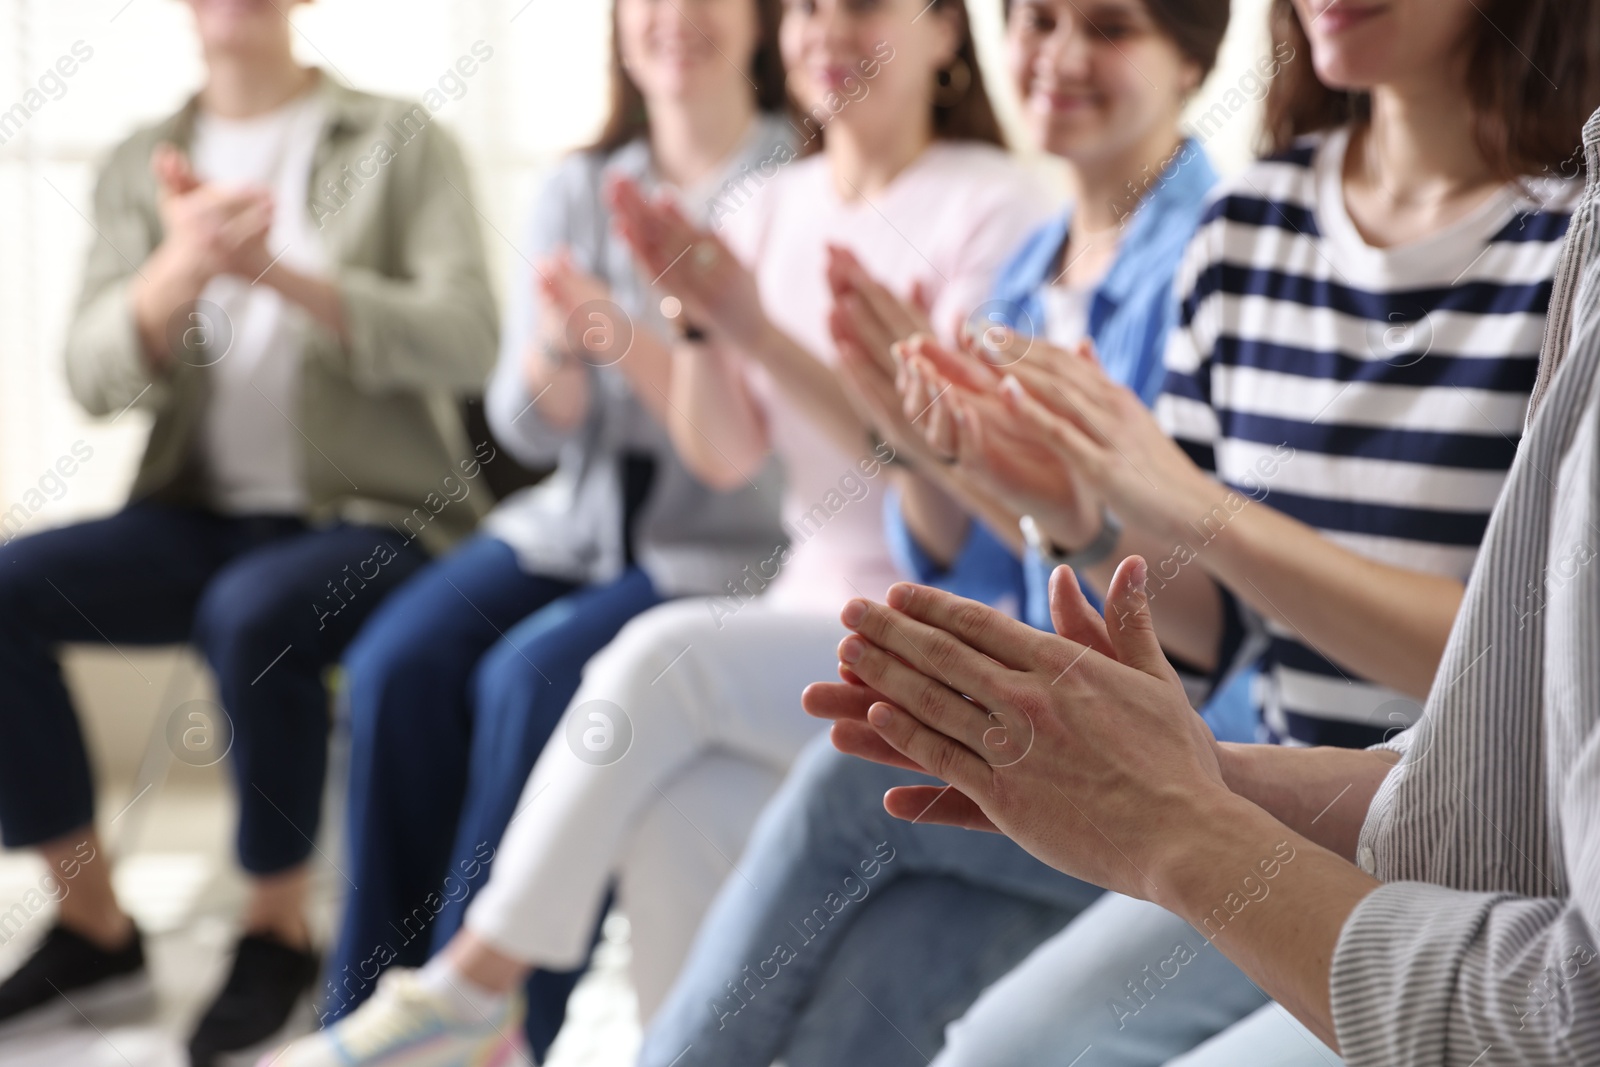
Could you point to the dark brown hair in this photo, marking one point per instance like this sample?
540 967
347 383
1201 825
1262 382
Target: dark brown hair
1195 27
1532 81
628 118
968 116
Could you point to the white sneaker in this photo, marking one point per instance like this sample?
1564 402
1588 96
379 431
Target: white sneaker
406 1025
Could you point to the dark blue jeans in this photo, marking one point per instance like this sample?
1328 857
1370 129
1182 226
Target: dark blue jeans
270 604
454 687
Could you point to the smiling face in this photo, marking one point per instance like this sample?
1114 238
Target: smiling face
1097 78
1362 44
687 48
242 25
830 46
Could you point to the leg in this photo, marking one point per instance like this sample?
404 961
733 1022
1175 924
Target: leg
685 846
133 578
519 691
407 689
269 627
681 685
915 959
823 845
1127 978
1270 1037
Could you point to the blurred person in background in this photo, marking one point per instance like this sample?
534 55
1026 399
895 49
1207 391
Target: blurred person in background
911 177
298 313
457 682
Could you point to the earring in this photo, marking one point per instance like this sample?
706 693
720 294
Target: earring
951 85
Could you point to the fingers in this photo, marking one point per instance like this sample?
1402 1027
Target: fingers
1060 432
939 805
173 170
861 740
961 368
838 700
1129 624
980 631
1074 617
928 699
930 749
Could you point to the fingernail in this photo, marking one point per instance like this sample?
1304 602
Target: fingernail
1138 572
854 611
852 649
1011 387
880 715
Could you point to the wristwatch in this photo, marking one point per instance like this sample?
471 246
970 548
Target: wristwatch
1096 551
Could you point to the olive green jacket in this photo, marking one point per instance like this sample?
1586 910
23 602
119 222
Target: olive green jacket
379 413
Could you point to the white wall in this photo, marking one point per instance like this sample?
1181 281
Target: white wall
543 90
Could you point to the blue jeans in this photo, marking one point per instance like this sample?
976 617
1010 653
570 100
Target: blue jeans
1136 984
454 688
821 853
269 603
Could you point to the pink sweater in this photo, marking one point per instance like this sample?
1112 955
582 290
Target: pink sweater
949 220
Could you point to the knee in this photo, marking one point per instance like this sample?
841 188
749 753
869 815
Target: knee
640 661
237 620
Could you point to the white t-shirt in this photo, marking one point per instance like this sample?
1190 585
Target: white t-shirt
252 449
950 219
1066 313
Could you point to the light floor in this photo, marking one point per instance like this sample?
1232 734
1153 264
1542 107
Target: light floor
177 879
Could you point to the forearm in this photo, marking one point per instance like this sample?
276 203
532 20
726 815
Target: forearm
1273 901
1386 623
319 297
647 366
937 522
1321 793
165 285
812 387
716 426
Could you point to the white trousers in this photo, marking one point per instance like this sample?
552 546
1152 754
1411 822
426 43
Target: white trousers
687 713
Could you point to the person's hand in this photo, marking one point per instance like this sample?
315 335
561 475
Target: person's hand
719 294
206 231
1104 434
553 367
211 229
952 397
1085 752
868 314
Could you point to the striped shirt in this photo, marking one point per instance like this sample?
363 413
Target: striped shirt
1375 394
1482 948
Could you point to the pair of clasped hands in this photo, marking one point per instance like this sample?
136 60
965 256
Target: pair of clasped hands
1080 745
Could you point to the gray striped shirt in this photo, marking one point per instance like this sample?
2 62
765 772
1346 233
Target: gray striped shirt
1483 945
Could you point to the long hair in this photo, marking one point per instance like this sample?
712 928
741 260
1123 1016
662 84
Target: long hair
628 117
1532 81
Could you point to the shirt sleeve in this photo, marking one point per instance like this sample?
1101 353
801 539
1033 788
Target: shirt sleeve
513 414
431 323
106 368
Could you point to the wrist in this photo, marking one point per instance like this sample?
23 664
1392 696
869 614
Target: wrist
1204 851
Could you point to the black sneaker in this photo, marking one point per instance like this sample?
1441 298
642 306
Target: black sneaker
71 980
265 994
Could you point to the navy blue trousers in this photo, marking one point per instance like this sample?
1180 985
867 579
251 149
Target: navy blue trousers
270 604
454 686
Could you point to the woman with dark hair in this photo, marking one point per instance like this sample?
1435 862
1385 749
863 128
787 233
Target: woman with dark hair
455 685
909 173
1359 328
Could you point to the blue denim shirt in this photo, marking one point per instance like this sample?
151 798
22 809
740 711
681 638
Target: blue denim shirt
1130 312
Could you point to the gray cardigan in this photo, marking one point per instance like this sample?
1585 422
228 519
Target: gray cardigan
1483 945
690 539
